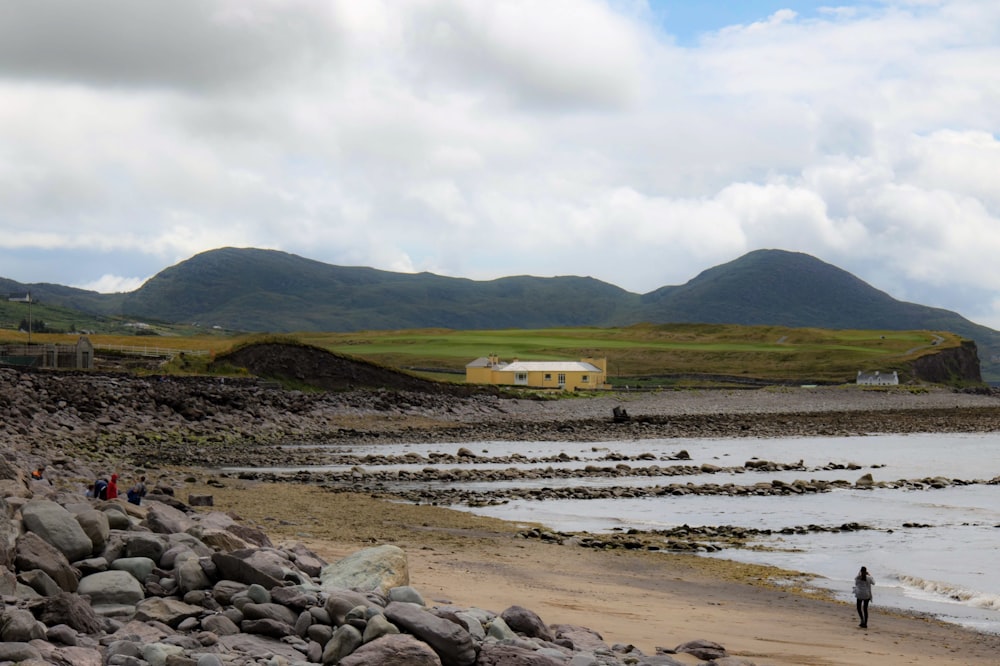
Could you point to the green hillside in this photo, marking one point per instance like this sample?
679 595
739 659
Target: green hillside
257 290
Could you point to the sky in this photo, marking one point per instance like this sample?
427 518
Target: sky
639 142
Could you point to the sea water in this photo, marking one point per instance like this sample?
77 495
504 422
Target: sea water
946 566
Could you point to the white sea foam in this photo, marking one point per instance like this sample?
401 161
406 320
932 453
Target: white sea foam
952 593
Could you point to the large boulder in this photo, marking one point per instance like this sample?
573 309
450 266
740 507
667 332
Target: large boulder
452 643
170 612
20 626
345 640
703 649
33 552
393 650
372 569
241 567
502 654
111 588
164 519
96 526
67 609
525 621
58 527
8 535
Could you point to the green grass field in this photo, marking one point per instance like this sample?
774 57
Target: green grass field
765 352
660 353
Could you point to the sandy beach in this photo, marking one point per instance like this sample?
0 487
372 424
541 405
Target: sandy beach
645 599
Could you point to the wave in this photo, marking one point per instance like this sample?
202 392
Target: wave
954 593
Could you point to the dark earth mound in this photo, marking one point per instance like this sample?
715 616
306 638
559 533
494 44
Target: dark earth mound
325 370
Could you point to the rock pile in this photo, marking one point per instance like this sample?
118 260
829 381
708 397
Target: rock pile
90 582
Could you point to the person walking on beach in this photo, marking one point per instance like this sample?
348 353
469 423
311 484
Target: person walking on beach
863 593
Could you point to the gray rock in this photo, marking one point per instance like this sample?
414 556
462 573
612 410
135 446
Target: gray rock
58 527
452 643
307 561
112 588
18 652
294 597
340 602
526 622
91 565
67 609
500 654
258 594
499 630
145 545
237 566
321 633
345 640
164 519
40 582
95 525
170 612
33 552
406 593
20 626
220 624
380 569
61 633
8 535
302 624
117 519
267 627
582 638
224 590
270 611
393 650
157 653
189 573
472 623
377 627
201 500
139 567
703 649
221 540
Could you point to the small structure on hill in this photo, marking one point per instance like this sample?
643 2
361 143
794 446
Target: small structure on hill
878 378
587 373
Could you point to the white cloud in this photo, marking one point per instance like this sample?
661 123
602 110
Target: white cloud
113 284
489 139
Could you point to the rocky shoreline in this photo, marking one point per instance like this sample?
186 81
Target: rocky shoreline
105 582
173 420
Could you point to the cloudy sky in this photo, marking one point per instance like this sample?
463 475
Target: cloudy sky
638 142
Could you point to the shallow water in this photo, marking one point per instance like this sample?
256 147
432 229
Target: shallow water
947 568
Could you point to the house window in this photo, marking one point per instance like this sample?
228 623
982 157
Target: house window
584 379
548 376
562 379
521 378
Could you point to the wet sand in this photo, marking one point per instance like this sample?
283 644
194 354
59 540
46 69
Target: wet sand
645 599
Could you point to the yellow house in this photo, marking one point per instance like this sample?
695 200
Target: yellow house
587 373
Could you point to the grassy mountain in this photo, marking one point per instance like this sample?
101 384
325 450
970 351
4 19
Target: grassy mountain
266 290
